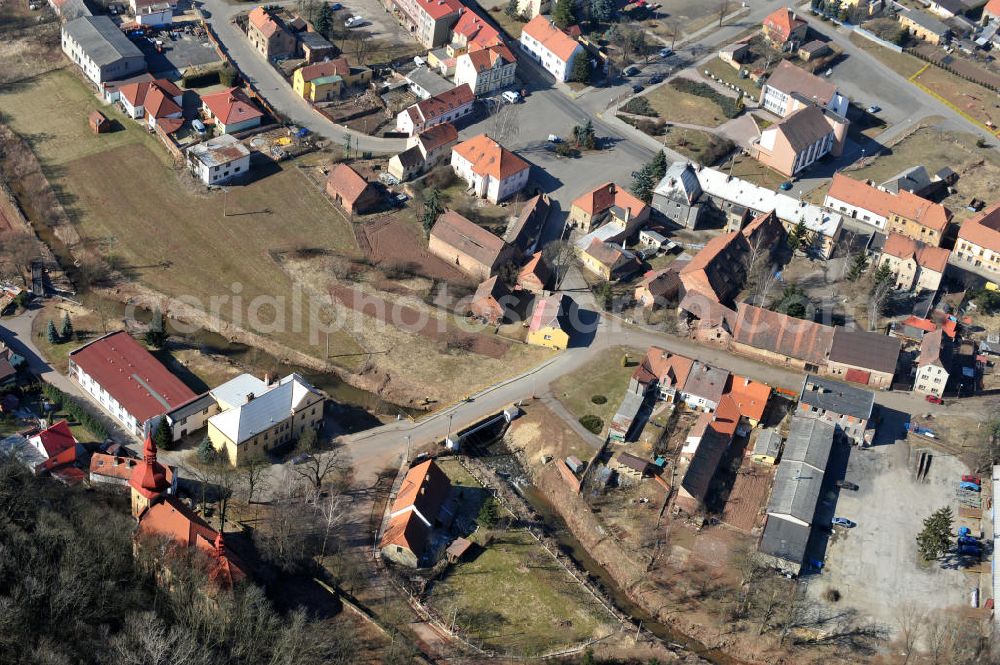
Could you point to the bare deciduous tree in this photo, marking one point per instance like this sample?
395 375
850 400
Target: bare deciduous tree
877 301
253 478
560 254
320 469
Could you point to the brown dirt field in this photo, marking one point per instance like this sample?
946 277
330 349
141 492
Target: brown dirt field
393 241
749 493
415 322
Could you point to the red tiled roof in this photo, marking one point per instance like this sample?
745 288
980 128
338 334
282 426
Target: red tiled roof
339 66
113 466
231 106
992 8
263 21
665 367
782 22
135 93
437 136
609 194
131 375
547 313
557 42
159 105
57 438
477 33
782 334
488 58
983 230
535 271
905 204
490 158
149 477
439 105
926 256
438 9
749 396
456 231
920 324
423 491
347 182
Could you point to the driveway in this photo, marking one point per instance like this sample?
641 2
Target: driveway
875 565
276 89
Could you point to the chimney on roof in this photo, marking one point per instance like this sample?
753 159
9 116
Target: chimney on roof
250 397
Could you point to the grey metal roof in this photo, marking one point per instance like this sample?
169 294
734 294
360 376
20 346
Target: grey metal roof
796 490
809 441
234 391
314 40
191 407
22 451
768 443
837 397
913 179
430 81
864 349
274 406
784 539
627 411
680 183
101 39
72 9
927 22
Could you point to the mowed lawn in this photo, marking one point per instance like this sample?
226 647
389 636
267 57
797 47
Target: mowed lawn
602 376
124 194
675 106
512 596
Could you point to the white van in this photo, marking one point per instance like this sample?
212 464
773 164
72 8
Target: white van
510 97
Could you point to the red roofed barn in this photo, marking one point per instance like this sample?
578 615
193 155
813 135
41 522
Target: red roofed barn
127 381
351 191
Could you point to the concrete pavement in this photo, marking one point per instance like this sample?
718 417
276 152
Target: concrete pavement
277 90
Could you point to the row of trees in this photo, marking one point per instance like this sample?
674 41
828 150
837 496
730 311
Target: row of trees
75 410
63 334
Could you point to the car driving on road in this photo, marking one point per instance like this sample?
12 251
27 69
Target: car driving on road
844 522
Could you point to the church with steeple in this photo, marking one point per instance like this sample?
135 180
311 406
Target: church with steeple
160 513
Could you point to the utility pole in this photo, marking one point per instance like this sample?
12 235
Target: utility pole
407 459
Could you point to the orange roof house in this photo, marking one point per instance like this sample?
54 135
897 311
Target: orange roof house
905 212
979 240
472 33
448 106
720 427
750 397
269 35
415 512
662 371
351 191
781 338
607 197
492 171
784 29
489 303
231 110
550 46
468 246
535 275
992 9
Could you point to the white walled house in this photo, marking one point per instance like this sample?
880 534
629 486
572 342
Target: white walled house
447 107
790 88
550 47
493 172
932 364
486 70
127 381
218 160
101 49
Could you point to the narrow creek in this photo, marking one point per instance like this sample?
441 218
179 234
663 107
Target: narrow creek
495 453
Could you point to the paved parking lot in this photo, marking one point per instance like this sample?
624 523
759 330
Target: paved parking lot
178 54
875 565
378 22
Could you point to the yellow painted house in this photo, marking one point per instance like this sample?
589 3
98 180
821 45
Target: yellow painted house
324 81
548 326
248 429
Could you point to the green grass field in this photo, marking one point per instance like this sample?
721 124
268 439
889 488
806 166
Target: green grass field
513 597
604 375
675 106
124 195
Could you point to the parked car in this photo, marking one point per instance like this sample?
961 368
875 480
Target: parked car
631 71
844 522
655 78
510 97
637 88
828 72
554 139
354 22
873 109
971 487
845 485
934 399
666 53
785 186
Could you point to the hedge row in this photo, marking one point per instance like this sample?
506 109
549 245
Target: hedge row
730 107
75 410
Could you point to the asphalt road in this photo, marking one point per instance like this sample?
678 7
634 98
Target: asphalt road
276 89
